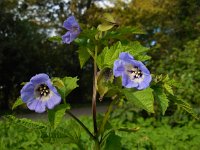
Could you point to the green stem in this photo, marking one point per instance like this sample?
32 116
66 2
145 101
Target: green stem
94 94
105 119
97 145
84 127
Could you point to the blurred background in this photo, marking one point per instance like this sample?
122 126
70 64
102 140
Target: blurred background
173 36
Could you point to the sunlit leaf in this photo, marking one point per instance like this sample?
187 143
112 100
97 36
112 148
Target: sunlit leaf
108 17
105 26
55 115
57 82
143 99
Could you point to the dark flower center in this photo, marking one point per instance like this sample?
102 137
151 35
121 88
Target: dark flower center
135 72
43 90
75 29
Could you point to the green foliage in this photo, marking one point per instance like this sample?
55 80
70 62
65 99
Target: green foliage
83 55
27 123
27 134
55 39
162 99
107 57
65 85
56 115
164 92
152 134
104 77
105 27
108 24
112 142
17 103
143 99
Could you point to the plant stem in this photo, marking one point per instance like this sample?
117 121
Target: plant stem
84 127
94 94
105 118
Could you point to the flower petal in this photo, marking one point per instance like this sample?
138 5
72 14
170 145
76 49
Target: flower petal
70 23
125 56
39 78
36 105
126 82
53 101
66 38
143 68
145 83
118 68
27 92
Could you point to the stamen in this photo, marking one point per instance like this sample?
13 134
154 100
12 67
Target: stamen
134 72
43 90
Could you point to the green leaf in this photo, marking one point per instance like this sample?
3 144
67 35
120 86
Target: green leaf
55 115
108 17
184 105
130 30
137 50
161 97
105 26
103 78
109 55
57 82
26 122
17 103
142 99
70 84
112 142
168 88
83 55
55 39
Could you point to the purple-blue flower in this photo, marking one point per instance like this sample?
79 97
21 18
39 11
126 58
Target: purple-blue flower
134 73
73 29
40 94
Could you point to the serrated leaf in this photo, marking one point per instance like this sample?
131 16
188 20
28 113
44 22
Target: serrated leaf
70 84
17 103
55 115
184 105
112 142
137 50
26 122
142 99
105 26
108 17
168 88
109 55
55 39
161 97
57 82
83 56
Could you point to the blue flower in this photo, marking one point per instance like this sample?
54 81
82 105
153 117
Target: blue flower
73 30
134 73
39 93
